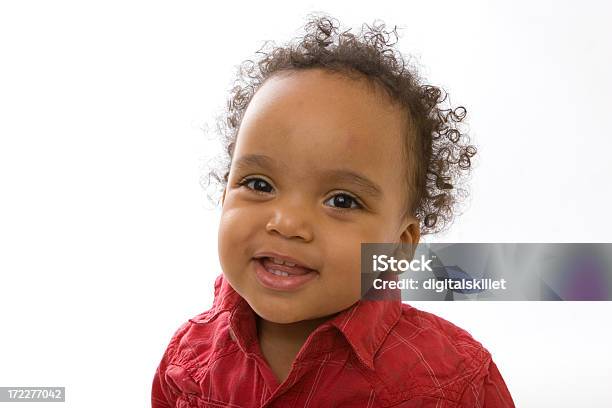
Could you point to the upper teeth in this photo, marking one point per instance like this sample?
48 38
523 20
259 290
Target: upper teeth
282 262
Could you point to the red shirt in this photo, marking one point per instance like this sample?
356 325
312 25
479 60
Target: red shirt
373 354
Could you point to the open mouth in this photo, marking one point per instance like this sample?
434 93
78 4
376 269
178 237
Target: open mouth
281 275
281 267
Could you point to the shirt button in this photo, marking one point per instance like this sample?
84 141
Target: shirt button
232 335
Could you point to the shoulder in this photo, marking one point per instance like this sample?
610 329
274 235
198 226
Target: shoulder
436 338
428 356
189 353
194 343
432 332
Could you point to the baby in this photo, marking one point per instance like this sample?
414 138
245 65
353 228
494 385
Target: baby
332 142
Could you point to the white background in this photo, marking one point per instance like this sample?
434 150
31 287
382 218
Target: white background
107 241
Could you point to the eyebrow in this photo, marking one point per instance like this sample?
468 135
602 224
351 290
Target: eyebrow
255 160
352 177
338 175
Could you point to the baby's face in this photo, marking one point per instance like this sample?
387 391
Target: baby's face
318 169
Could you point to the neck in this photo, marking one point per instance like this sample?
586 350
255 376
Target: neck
288 333
287 338
280 343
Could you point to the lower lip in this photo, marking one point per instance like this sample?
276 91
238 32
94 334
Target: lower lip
282 283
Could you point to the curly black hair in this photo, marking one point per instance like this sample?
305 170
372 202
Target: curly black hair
441 152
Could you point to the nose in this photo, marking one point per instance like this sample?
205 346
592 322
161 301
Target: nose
290 221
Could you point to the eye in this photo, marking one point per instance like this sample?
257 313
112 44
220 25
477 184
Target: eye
257 184
343 201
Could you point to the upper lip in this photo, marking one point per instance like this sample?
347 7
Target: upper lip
287 258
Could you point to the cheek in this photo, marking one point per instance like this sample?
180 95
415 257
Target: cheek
235 230
342 272
343 256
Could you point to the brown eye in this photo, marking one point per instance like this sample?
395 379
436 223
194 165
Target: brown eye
344 201
258 184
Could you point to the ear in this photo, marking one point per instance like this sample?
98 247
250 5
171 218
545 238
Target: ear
408 239
411 232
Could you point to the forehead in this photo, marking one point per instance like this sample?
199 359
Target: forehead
320 119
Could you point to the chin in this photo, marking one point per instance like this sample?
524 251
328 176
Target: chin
276 314
279 319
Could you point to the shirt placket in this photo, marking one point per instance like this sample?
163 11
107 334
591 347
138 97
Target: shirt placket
320 342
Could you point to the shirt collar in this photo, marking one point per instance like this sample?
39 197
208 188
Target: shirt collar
365 324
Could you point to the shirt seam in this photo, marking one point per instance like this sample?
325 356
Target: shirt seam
484 364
